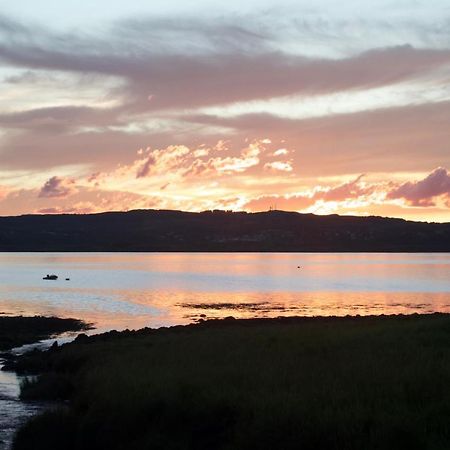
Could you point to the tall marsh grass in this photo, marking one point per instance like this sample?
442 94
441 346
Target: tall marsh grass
327 383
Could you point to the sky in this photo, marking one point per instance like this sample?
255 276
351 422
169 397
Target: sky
319 107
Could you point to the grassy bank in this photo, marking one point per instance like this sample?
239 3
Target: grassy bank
325 383
19 330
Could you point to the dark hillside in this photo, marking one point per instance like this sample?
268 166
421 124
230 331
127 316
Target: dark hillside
163 230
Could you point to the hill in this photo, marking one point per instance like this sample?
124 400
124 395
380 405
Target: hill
221 231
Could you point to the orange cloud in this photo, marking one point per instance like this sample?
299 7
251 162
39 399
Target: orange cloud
3 192
77 208
352 190
163 160
282 166
217 177
182 162
249 158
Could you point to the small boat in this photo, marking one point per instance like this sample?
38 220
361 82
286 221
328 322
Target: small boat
50 277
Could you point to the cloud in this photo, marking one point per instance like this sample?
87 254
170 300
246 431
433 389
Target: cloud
77 208
87 202
294 202
4 191
57 119
349 190
352 191
103 193
375 141
211 65
357 193
424 192
85 92
163 160
282 166
182 161
249 157
58 187
145 168
215 63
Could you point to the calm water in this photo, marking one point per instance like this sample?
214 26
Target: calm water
120 290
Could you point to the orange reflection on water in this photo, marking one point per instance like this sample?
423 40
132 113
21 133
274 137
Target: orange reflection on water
172 308
185 307
129 290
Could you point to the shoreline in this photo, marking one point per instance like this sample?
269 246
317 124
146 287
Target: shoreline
17 334
16 331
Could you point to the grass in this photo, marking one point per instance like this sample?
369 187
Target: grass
19 330
300 383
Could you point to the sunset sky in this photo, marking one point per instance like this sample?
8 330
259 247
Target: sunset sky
318 107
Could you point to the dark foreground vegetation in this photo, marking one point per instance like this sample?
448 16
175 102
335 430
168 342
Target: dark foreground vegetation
158 230
17 331
324 383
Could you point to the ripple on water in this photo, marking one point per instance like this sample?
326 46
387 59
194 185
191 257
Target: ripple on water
13 412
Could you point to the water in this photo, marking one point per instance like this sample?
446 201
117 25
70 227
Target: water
13 412
132 290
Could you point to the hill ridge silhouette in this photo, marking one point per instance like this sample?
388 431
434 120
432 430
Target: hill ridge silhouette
221 231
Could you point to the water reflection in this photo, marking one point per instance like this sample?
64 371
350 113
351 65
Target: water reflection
319 304
134 290
13 412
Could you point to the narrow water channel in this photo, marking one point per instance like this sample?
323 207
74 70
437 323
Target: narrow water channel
13 411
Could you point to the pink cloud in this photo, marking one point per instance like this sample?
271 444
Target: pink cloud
80 208
357 193
58 187
3 192
162 160
351 190
144 170
424 192
295 202
188 161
